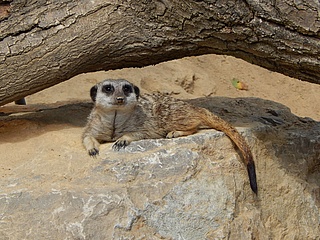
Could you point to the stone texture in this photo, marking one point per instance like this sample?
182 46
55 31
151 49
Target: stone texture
193 187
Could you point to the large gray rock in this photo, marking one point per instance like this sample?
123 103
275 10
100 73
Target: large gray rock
193 187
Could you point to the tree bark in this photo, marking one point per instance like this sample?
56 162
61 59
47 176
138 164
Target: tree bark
45 42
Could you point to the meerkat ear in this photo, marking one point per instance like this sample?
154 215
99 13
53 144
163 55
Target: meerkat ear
93 92
136 91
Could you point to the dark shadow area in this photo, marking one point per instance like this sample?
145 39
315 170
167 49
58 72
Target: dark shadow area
73 113
18 123
247 111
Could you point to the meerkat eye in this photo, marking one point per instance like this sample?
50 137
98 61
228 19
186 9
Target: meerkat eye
108 88
127 89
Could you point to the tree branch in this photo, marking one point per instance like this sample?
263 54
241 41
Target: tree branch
42 44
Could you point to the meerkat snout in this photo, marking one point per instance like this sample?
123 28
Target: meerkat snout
120 100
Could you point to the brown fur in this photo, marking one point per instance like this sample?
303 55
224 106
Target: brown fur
151 116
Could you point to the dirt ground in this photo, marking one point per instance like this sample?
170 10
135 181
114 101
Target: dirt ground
208 75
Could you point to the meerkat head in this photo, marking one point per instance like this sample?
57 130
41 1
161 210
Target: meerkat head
115 94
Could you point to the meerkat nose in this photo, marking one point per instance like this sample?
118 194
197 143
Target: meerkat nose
120 100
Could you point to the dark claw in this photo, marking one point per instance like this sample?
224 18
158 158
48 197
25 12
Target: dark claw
119 144
93 152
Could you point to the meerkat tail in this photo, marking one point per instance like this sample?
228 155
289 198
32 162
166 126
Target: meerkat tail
218 123
251 168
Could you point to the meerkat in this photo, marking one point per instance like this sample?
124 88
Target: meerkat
121 115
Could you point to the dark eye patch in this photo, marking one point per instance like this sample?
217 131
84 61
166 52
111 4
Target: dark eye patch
93 92
127 89
108 88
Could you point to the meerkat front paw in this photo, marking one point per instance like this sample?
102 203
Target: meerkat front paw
120 144
91 145
93 152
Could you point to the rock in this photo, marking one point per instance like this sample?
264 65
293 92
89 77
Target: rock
193 187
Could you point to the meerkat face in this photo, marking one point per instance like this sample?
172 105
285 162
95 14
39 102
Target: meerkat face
115 94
